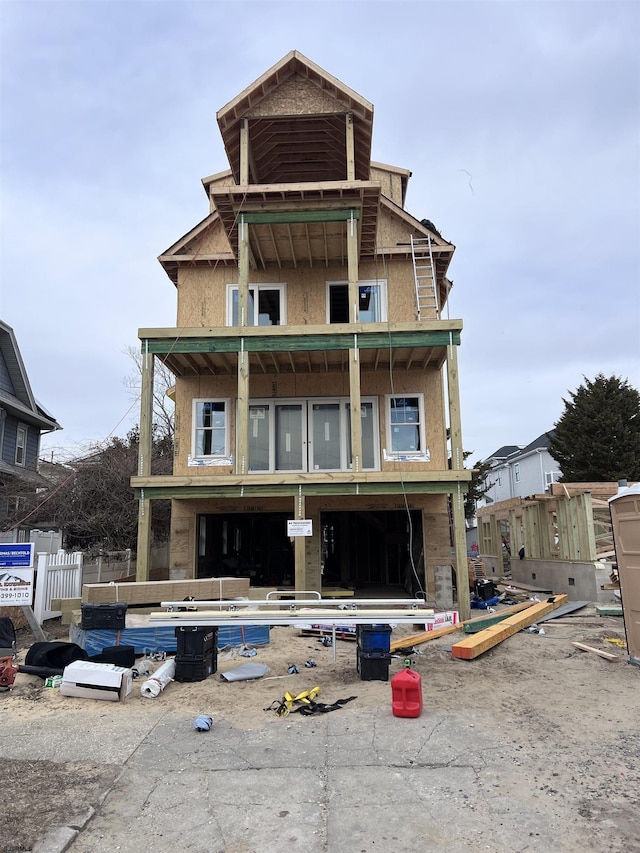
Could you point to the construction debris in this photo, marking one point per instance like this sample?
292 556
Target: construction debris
606 655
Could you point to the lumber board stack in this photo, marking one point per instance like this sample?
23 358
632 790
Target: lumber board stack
154 592
477 644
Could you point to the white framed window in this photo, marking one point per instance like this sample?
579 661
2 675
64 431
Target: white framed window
499 478
21 445
551 477
210 428
310 435
267 305
516 472
405 425
372 301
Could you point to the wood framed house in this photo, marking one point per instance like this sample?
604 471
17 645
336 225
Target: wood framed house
22 423
316 374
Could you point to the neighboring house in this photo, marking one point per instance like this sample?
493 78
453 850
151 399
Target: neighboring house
22 422
310 354
517 472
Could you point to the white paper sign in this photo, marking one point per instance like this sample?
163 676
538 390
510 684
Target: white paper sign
299 527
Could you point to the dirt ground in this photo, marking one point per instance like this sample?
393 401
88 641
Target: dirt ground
573 709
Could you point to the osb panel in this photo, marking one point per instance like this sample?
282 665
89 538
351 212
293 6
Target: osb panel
210 241
202 295
391 230
231 506
296 96
391 184
182 542
202 291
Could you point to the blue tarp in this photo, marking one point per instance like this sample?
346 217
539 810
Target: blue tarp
161 639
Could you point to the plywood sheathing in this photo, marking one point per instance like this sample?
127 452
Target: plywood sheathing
393 181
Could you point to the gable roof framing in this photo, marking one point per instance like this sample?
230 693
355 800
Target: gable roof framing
282 125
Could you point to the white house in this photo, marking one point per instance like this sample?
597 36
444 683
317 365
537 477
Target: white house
518 471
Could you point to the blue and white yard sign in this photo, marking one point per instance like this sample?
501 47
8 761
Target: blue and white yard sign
16 573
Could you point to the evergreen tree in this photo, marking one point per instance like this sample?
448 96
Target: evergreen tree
597 438
478 486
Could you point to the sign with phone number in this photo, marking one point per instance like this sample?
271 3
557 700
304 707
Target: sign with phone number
16 574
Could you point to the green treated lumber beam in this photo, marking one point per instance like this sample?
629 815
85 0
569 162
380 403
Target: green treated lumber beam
293 216
302 343
279 490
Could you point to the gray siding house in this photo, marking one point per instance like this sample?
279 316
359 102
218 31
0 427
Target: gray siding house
22 423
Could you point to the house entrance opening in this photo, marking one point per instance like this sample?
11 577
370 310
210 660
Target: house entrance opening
363 550
253 545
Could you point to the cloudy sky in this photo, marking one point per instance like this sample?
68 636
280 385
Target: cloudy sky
519 120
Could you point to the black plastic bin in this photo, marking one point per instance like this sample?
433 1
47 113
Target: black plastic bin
96 617
196 667
484 589
195 641
373 666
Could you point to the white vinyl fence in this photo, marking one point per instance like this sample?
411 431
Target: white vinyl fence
57 576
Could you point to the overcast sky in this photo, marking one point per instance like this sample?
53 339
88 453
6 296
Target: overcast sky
520 122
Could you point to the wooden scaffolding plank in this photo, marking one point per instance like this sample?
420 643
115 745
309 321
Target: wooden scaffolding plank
477 644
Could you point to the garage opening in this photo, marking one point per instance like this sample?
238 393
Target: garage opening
372 549
365 551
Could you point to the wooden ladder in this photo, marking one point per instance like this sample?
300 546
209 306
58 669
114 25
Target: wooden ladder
424 275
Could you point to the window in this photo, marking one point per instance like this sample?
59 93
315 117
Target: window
405 425
551 477
310 435
372 302
210 428
516 471
21 445
266 305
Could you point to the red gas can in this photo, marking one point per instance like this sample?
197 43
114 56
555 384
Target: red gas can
406 692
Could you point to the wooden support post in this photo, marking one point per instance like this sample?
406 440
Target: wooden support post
351 150
354 362
457 498
143 553
299 544
460 548
244 152
242 413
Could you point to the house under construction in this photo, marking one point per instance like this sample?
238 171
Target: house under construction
318 438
